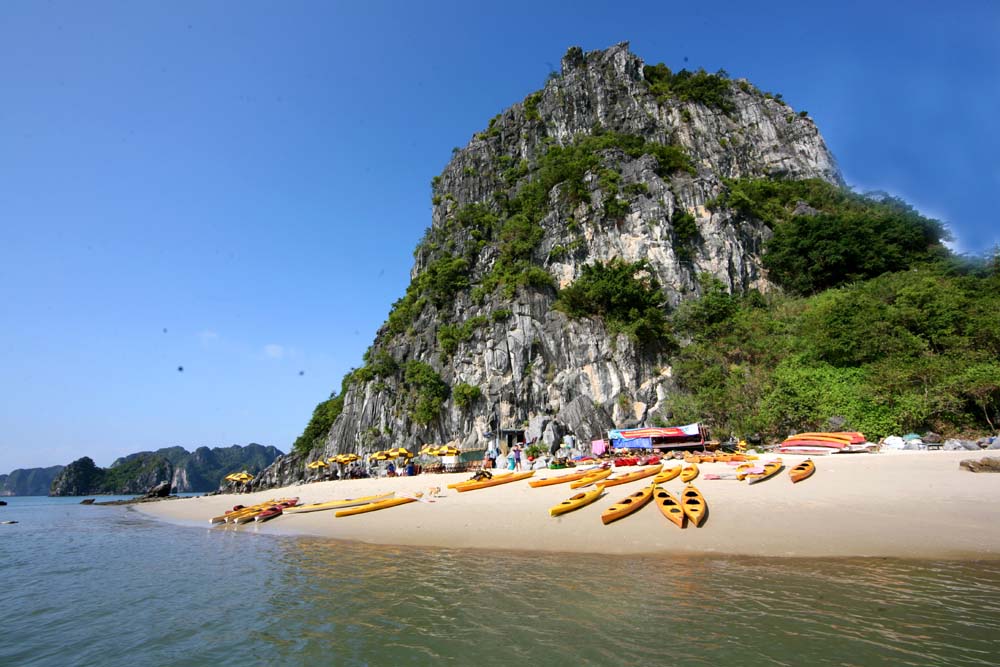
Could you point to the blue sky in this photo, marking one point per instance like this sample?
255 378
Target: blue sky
237 187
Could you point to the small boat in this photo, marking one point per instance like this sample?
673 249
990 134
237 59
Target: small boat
268 514
339 504
633 476
802 471
667 475
494 481
628 505
689 472
669 506
479 477
693 504
571 477
594 476
770 470
374 507
577 501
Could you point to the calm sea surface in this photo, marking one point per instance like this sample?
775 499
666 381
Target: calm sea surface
106 586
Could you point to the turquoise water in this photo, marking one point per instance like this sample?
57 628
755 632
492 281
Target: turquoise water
107 586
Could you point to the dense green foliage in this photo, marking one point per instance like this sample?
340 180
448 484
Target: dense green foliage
626 296
466 394
427 392
712 90
837 236
450 335
900 352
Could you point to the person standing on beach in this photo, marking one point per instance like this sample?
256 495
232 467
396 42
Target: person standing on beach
515 451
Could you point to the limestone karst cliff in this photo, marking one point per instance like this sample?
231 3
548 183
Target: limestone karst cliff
611 160
200 470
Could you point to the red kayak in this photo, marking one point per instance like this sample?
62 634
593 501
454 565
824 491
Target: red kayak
275 510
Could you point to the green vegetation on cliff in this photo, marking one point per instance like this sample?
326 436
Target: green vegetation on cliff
712 90
903 351
626 296
826 236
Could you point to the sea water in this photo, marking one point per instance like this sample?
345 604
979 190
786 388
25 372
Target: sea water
107 586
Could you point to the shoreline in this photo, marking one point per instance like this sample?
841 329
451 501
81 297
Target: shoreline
913 505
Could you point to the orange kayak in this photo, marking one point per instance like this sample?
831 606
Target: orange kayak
505 479
649 471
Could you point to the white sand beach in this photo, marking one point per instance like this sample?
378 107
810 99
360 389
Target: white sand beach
901 504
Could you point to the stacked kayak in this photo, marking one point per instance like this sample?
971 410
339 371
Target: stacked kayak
822 443
240 515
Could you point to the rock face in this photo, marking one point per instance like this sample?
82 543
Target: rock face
161 490
198 471
28 481
525 360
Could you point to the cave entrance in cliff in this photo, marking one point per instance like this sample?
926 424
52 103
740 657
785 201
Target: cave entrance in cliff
508 437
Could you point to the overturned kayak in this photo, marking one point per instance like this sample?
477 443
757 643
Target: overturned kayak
628 505
693 504
496 480
577 501
802 471
669 506
374 507
339 504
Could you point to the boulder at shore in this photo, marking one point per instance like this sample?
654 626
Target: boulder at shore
985 464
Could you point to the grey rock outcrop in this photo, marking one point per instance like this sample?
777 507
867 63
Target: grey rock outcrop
954 444
532 364
985 464
161 490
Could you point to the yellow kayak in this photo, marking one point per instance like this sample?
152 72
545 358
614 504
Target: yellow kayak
648 471
374 507
667 475
693 504
628 505
577 501
473 481
595 476
251 513
802 470
339 504
770 470
497 479
689 472
669 506
224 518
572 477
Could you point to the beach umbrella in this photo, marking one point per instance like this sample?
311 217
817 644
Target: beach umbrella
316 465
399 452
379 456
447 450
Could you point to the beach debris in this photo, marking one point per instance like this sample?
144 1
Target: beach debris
985 464
954 444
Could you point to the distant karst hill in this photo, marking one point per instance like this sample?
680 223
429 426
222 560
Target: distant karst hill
198 471
632 245
28 481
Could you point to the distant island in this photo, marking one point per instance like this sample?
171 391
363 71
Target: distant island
29 481
198 471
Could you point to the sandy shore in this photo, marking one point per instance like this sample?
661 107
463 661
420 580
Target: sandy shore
906 504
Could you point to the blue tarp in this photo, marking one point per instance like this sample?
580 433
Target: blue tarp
634 443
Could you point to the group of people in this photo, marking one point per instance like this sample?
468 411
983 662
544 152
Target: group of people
409 471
